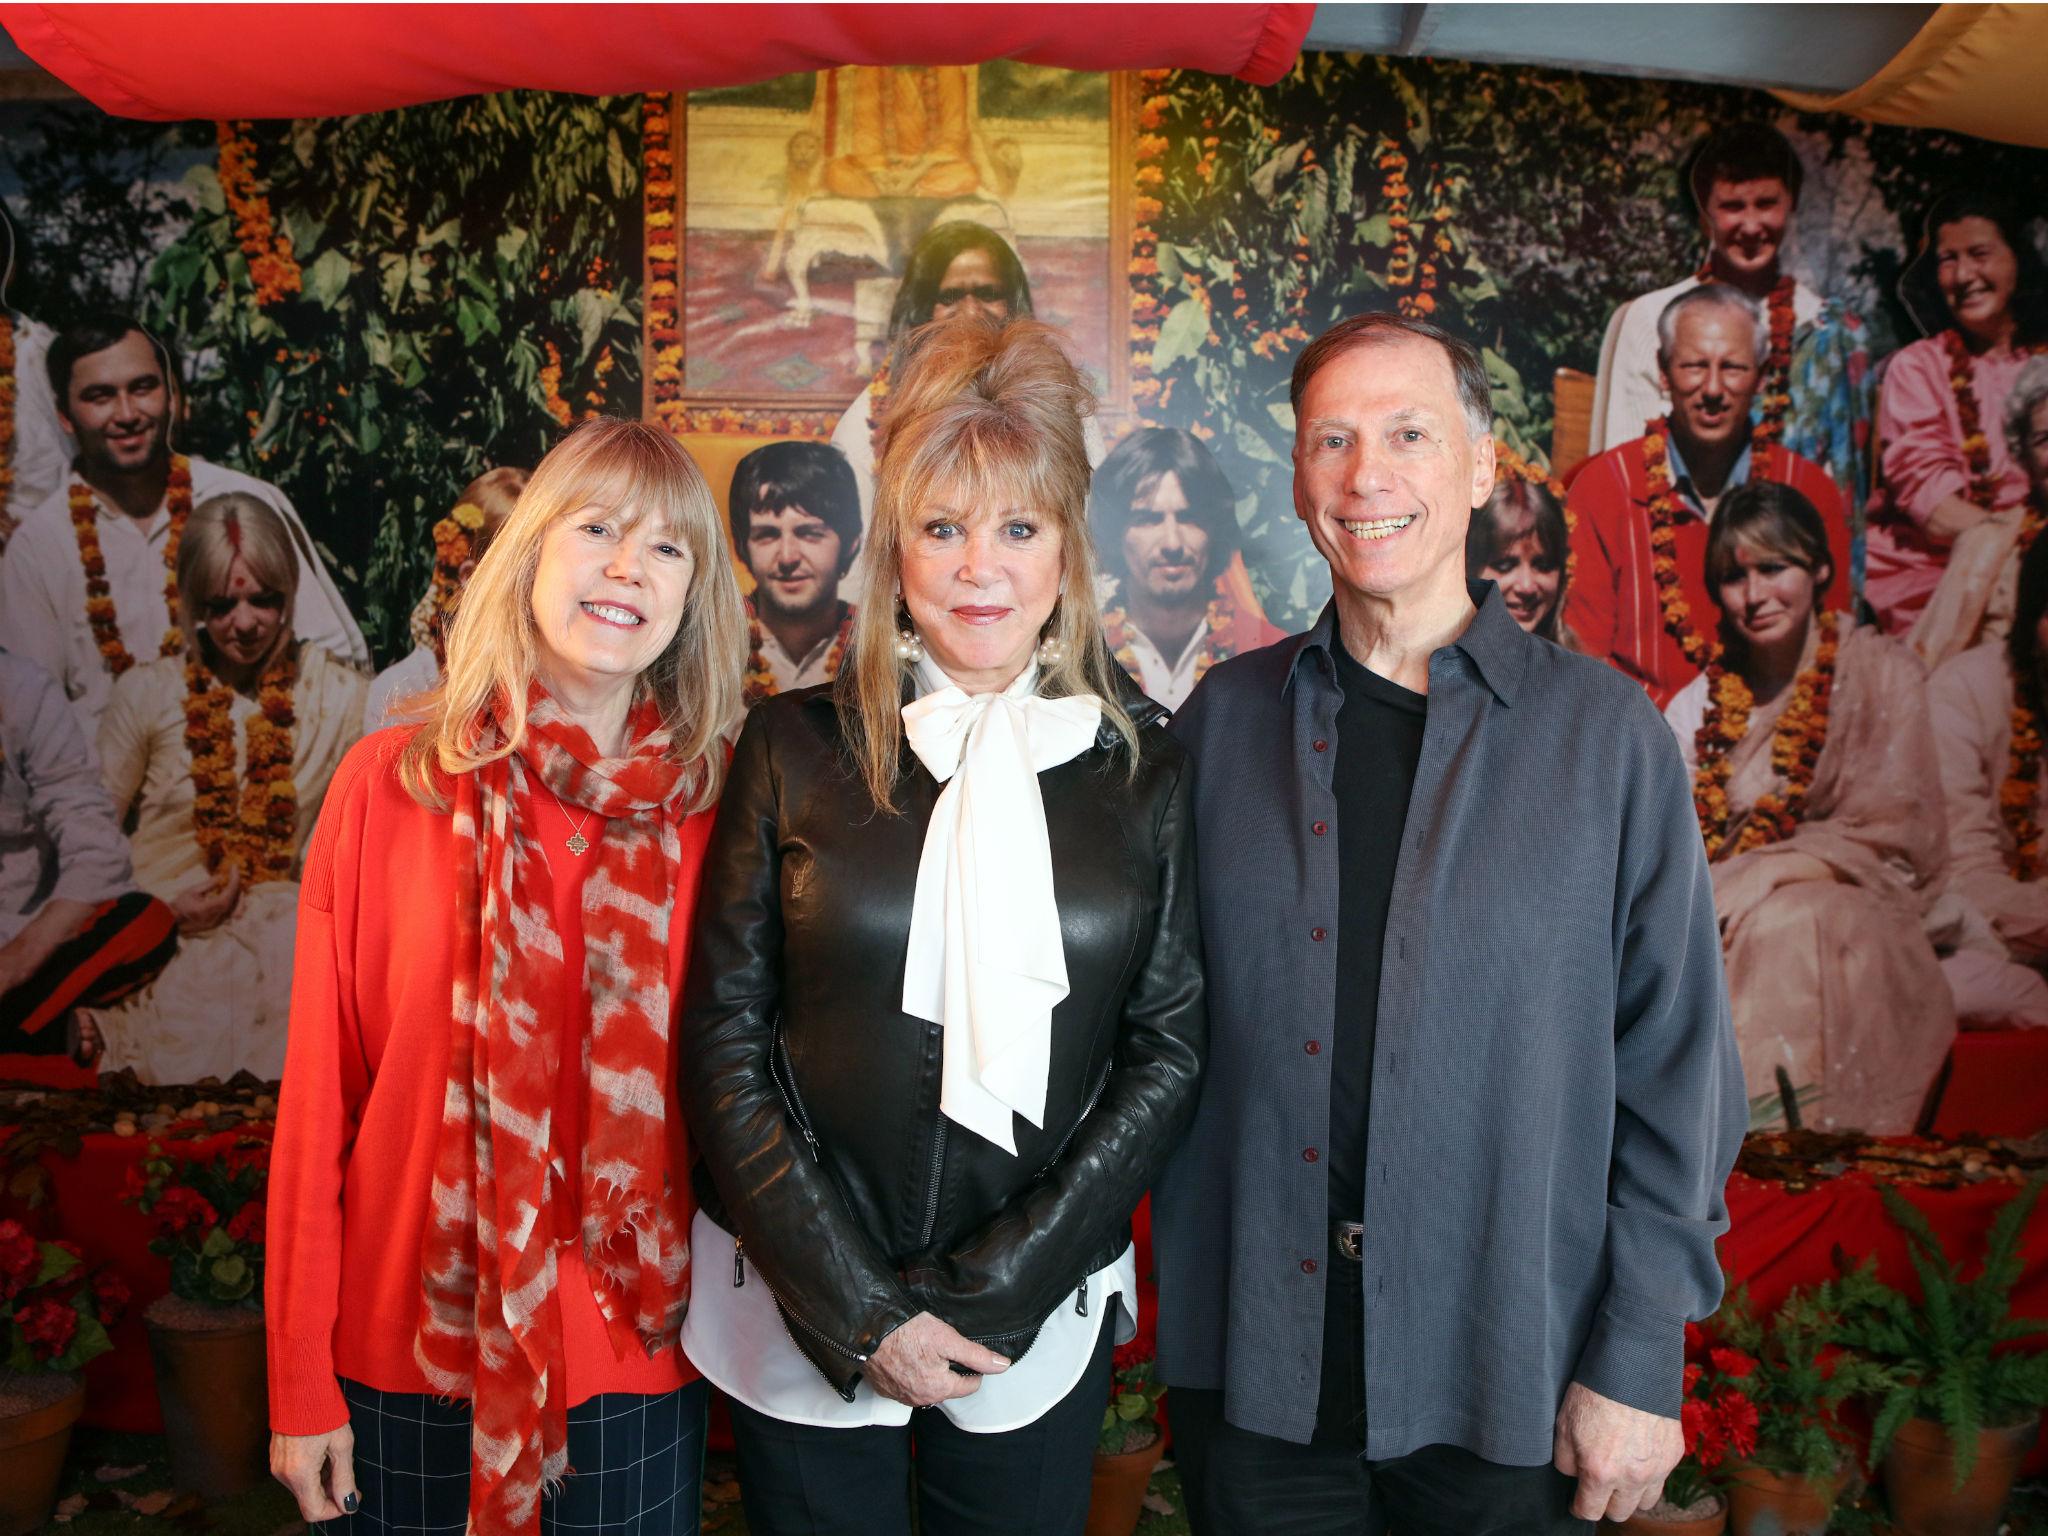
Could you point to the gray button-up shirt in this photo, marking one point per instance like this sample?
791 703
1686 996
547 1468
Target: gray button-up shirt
1556 1099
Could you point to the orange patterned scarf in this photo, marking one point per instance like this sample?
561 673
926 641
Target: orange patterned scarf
491 1331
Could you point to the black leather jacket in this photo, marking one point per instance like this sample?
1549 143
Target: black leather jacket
814 1099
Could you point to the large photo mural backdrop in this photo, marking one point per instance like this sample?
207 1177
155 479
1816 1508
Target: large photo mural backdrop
1774 442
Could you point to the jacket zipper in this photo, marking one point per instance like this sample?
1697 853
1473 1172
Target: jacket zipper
794 1099
931 1204
1074 1130
782 1309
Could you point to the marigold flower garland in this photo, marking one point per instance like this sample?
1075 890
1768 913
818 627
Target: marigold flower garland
99 597
1969 416
661 314
249 825
1795 749
1664 546
1774 388
271 266
2021 793
1148 307
760 679
454 545
1218 619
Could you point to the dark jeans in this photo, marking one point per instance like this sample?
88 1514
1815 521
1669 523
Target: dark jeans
1238 1483
636 1464
799 1480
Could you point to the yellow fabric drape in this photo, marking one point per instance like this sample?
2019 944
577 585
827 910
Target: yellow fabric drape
1976 69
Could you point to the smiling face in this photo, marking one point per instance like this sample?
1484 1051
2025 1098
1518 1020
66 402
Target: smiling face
1711 374
1165 551
1977 273
1528 578
243 619
607 598
1386 472
1746 223
973 287
2034 452
980 582
118 406
1769 598
796 560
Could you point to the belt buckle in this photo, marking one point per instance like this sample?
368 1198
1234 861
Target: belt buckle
1350 1238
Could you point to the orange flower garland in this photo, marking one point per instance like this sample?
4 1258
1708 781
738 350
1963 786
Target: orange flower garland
454 544
6 415
248 825
99 597
1795 749
1970 418
1664 545
1217 620
760 680
1774 389
662 316
271 266
878 407
1148 308
2021 792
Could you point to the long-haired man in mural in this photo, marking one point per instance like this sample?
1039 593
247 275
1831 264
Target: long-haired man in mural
1987 705
1640 597
1390 1174
1165 521
88 584
795 515
1814 393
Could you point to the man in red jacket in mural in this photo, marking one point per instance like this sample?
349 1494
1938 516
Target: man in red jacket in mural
1641 511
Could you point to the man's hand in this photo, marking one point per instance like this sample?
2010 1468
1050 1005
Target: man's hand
320 1471
914 1363
201 907
1619 1454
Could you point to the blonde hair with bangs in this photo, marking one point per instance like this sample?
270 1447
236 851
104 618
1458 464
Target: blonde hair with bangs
978 414
623 468
233 525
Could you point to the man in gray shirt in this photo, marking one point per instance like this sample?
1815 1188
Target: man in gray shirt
1427 1257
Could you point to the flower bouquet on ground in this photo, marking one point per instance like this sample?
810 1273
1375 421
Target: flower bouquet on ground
55 1311
1959 1406
206 1336
1791 1369
1128 1447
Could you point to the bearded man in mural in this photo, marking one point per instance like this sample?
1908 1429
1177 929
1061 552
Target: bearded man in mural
1987 706
1531 1212
88 586
795 512
1639 596
1814 392
1165 521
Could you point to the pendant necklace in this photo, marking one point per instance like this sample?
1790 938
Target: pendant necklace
577 843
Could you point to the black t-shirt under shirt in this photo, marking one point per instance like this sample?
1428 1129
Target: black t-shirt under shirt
1379 740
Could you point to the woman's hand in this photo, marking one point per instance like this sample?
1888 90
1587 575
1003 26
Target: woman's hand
320 1471
914 1363
201 907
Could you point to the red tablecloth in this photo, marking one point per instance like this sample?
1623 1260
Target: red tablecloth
1997 1084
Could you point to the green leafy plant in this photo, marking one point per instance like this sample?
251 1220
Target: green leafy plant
55 1309
1130 1422
209 1220
1790 1366
1948 1355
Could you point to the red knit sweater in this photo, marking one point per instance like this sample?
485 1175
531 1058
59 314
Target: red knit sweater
360 1116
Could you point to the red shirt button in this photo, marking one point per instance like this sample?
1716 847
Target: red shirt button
1314 1047
1320 828
1321 745
1308 1266
1318 934
1309 1154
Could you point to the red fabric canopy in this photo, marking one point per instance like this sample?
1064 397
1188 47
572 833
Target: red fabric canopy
252 61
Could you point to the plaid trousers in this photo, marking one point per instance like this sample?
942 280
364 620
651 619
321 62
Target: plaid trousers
637 1464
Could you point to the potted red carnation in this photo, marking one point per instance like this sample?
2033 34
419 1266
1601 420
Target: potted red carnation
54 1314
206 1335
1128 1447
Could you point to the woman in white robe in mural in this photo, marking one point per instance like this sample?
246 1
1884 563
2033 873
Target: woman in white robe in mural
1813 765
227 862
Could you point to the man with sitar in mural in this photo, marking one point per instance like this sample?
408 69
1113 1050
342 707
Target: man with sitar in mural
88 586
1641 511
1427 1257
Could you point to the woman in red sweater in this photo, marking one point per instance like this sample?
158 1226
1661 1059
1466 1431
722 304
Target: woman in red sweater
478 1213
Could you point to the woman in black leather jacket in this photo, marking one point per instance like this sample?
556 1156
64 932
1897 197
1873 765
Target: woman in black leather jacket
945 1011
